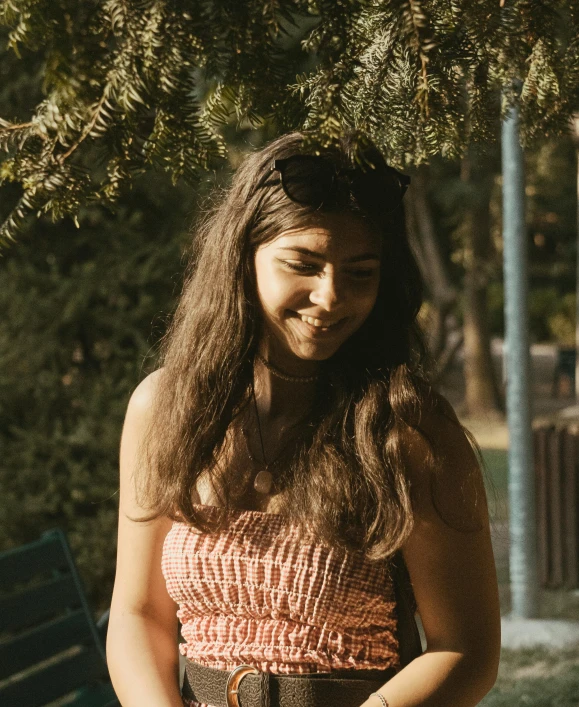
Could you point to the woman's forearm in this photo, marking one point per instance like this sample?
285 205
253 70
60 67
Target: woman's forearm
143 661
439 679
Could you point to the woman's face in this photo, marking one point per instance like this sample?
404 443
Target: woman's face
316 286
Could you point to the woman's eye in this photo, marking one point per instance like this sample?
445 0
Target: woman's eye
299 267
311 268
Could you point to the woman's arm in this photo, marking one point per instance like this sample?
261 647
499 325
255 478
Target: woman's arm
453 574
142 646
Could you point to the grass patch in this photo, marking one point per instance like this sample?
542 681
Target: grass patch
496 478
497 464
536 677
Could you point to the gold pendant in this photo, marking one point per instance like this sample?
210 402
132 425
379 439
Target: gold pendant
263 481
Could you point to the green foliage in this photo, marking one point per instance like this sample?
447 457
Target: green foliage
496 306
544 303
551 176
551 313
80 313
144 85
562 321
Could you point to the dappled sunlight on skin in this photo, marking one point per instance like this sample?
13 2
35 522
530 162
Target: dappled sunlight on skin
329 273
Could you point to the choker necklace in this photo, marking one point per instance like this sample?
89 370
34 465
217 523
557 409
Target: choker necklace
285 376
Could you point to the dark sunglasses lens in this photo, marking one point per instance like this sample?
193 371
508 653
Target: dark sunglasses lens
307 180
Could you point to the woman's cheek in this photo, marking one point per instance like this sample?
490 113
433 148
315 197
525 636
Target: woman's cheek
293 294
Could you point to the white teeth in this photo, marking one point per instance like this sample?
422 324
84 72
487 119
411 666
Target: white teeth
317 322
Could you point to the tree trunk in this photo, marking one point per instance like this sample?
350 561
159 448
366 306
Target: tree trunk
482 393
442 292
575 129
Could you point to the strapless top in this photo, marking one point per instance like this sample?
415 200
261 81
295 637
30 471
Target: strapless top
256 593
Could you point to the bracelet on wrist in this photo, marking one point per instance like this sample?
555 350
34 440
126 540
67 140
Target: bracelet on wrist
381 698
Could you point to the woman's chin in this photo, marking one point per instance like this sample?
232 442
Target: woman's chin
294 345
314 352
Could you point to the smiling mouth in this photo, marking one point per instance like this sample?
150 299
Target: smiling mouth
320 325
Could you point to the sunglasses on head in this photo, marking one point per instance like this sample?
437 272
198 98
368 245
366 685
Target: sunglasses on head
312 180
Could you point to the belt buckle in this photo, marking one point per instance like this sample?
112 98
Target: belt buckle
233 680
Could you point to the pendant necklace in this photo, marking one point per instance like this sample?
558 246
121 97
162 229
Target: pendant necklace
263 480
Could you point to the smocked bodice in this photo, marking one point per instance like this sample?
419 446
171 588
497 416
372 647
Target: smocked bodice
255 593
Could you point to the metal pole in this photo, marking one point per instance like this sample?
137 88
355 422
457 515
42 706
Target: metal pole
522 525
576 135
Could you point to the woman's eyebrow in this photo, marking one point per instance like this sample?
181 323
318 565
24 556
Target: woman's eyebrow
356 258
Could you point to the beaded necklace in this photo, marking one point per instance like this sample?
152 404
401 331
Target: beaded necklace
285 376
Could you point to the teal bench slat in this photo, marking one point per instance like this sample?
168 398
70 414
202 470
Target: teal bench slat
95 696
54 681
50 646
42 642
43 601
21 564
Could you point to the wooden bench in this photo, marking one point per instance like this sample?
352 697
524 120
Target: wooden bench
50 645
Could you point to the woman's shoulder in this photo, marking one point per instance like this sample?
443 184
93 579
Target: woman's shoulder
441 461
436 429
142 396
139 411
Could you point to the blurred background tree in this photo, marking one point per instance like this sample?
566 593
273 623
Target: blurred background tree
115 138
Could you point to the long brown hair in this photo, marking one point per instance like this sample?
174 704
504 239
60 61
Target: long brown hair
345 481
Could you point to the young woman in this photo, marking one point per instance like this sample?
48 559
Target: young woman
289 462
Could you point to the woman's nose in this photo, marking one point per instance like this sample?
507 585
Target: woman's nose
327 292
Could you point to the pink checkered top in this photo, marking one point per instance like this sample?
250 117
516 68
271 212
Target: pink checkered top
254 593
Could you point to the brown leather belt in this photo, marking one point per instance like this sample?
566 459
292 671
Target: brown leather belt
246 686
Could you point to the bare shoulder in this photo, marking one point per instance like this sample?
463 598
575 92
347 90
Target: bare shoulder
438 432
135 428
142 397
442 465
